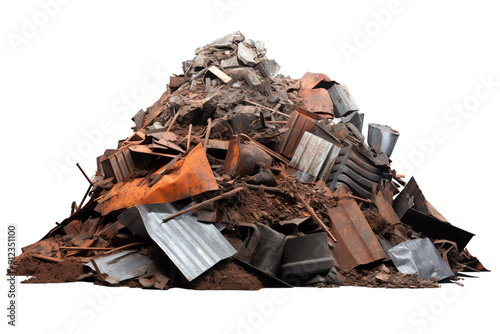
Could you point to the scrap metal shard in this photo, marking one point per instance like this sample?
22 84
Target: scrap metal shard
186 178
192 246
300 121
314 93
356 242
421 257
313 159
124 265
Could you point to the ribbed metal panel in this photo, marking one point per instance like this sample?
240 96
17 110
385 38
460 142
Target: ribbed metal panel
313 158
122 266
192 246
355 171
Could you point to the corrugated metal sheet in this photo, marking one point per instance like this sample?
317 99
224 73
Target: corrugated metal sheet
120 165
356 242
192 246
313 159
124 265
355 171
300 121
342 100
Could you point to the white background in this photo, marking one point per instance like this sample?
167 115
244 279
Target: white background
62 79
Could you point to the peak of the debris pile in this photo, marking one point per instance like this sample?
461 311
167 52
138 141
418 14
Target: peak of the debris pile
239 177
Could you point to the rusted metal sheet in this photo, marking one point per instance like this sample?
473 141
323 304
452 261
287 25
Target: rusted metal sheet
383 201
356 243
342 100
119 165
300 121
156 109
313 159
218 144
186 178
243 158
314 93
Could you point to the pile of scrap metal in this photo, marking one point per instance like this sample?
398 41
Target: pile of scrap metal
238 174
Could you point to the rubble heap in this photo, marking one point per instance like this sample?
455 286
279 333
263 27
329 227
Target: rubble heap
241 178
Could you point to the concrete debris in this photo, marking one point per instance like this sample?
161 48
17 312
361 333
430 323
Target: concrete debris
239 177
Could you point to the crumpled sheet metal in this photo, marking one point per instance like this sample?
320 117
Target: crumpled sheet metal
124 265
421 257
186 178
192 246
314 93
356 243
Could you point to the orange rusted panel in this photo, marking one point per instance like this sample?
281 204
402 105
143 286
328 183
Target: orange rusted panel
314 94
356 243
186 178
156 109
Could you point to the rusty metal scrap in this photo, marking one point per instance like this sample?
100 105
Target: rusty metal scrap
189 177
300 121
314 93
356 242
235 155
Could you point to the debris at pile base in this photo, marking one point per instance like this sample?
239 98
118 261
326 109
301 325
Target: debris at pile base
241 178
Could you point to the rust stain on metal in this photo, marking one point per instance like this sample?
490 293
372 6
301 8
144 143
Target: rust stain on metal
187 178
356 242
300 121
243 158
313 91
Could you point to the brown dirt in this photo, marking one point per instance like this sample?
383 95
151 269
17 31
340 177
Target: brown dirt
378 279
378 223
47 272
226 275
